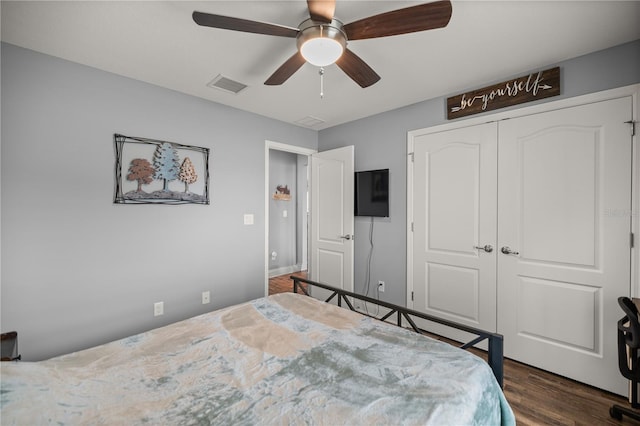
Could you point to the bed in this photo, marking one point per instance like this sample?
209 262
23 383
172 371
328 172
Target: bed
282 359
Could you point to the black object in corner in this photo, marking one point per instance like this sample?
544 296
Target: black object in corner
628 362
9 346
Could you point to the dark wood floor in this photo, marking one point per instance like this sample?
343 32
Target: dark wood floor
283 283
537 397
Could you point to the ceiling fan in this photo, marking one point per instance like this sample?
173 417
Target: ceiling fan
327 33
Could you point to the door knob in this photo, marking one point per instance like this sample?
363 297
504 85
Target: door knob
507 250
346 237
488 248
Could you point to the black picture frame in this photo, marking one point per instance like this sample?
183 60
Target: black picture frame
151 171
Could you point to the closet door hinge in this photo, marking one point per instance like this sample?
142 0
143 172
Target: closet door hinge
631 240
411 226
412 156
412 296
633 127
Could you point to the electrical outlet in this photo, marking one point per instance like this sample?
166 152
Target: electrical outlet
206 297
158 309
381 286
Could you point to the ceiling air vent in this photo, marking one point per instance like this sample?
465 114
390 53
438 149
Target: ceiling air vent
309 121
226 84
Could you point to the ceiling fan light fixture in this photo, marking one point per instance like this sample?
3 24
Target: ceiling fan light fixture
321 44
321 51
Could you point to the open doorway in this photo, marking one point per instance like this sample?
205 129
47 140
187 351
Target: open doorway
286 212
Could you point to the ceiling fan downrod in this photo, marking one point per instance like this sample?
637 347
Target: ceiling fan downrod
321 72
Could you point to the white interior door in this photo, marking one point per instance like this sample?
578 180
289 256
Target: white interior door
454 219
563 175
332 198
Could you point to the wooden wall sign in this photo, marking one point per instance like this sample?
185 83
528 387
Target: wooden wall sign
519 90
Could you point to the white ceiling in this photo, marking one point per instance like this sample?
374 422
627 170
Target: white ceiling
158 42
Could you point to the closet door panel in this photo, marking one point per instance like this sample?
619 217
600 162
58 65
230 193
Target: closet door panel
452 176
559 195
543 316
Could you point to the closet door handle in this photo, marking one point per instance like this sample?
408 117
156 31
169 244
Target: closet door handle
507 250
488 248
346 237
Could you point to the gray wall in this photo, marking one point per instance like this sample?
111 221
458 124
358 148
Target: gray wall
381 142
78 270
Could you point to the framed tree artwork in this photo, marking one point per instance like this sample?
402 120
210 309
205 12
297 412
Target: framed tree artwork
150 171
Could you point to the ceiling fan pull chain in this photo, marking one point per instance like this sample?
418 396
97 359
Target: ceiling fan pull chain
321 82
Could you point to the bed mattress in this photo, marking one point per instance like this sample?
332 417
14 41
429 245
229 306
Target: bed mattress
283 359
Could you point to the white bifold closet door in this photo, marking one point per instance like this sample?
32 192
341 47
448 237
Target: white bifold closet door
455 218
564 196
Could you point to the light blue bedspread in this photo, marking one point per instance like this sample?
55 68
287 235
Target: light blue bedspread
285 359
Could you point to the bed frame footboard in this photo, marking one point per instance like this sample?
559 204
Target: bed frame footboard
495 341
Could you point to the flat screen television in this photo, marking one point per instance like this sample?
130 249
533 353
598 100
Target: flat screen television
372 193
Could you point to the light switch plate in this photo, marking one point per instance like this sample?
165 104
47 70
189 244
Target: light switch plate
158 309
248 219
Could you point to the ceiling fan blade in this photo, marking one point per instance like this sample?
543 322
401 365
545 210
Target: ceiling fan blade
244 25
402 21
321 10
357 69
286 70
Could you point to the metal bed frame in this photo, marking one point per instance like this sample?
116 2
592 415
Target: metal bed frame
495 349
